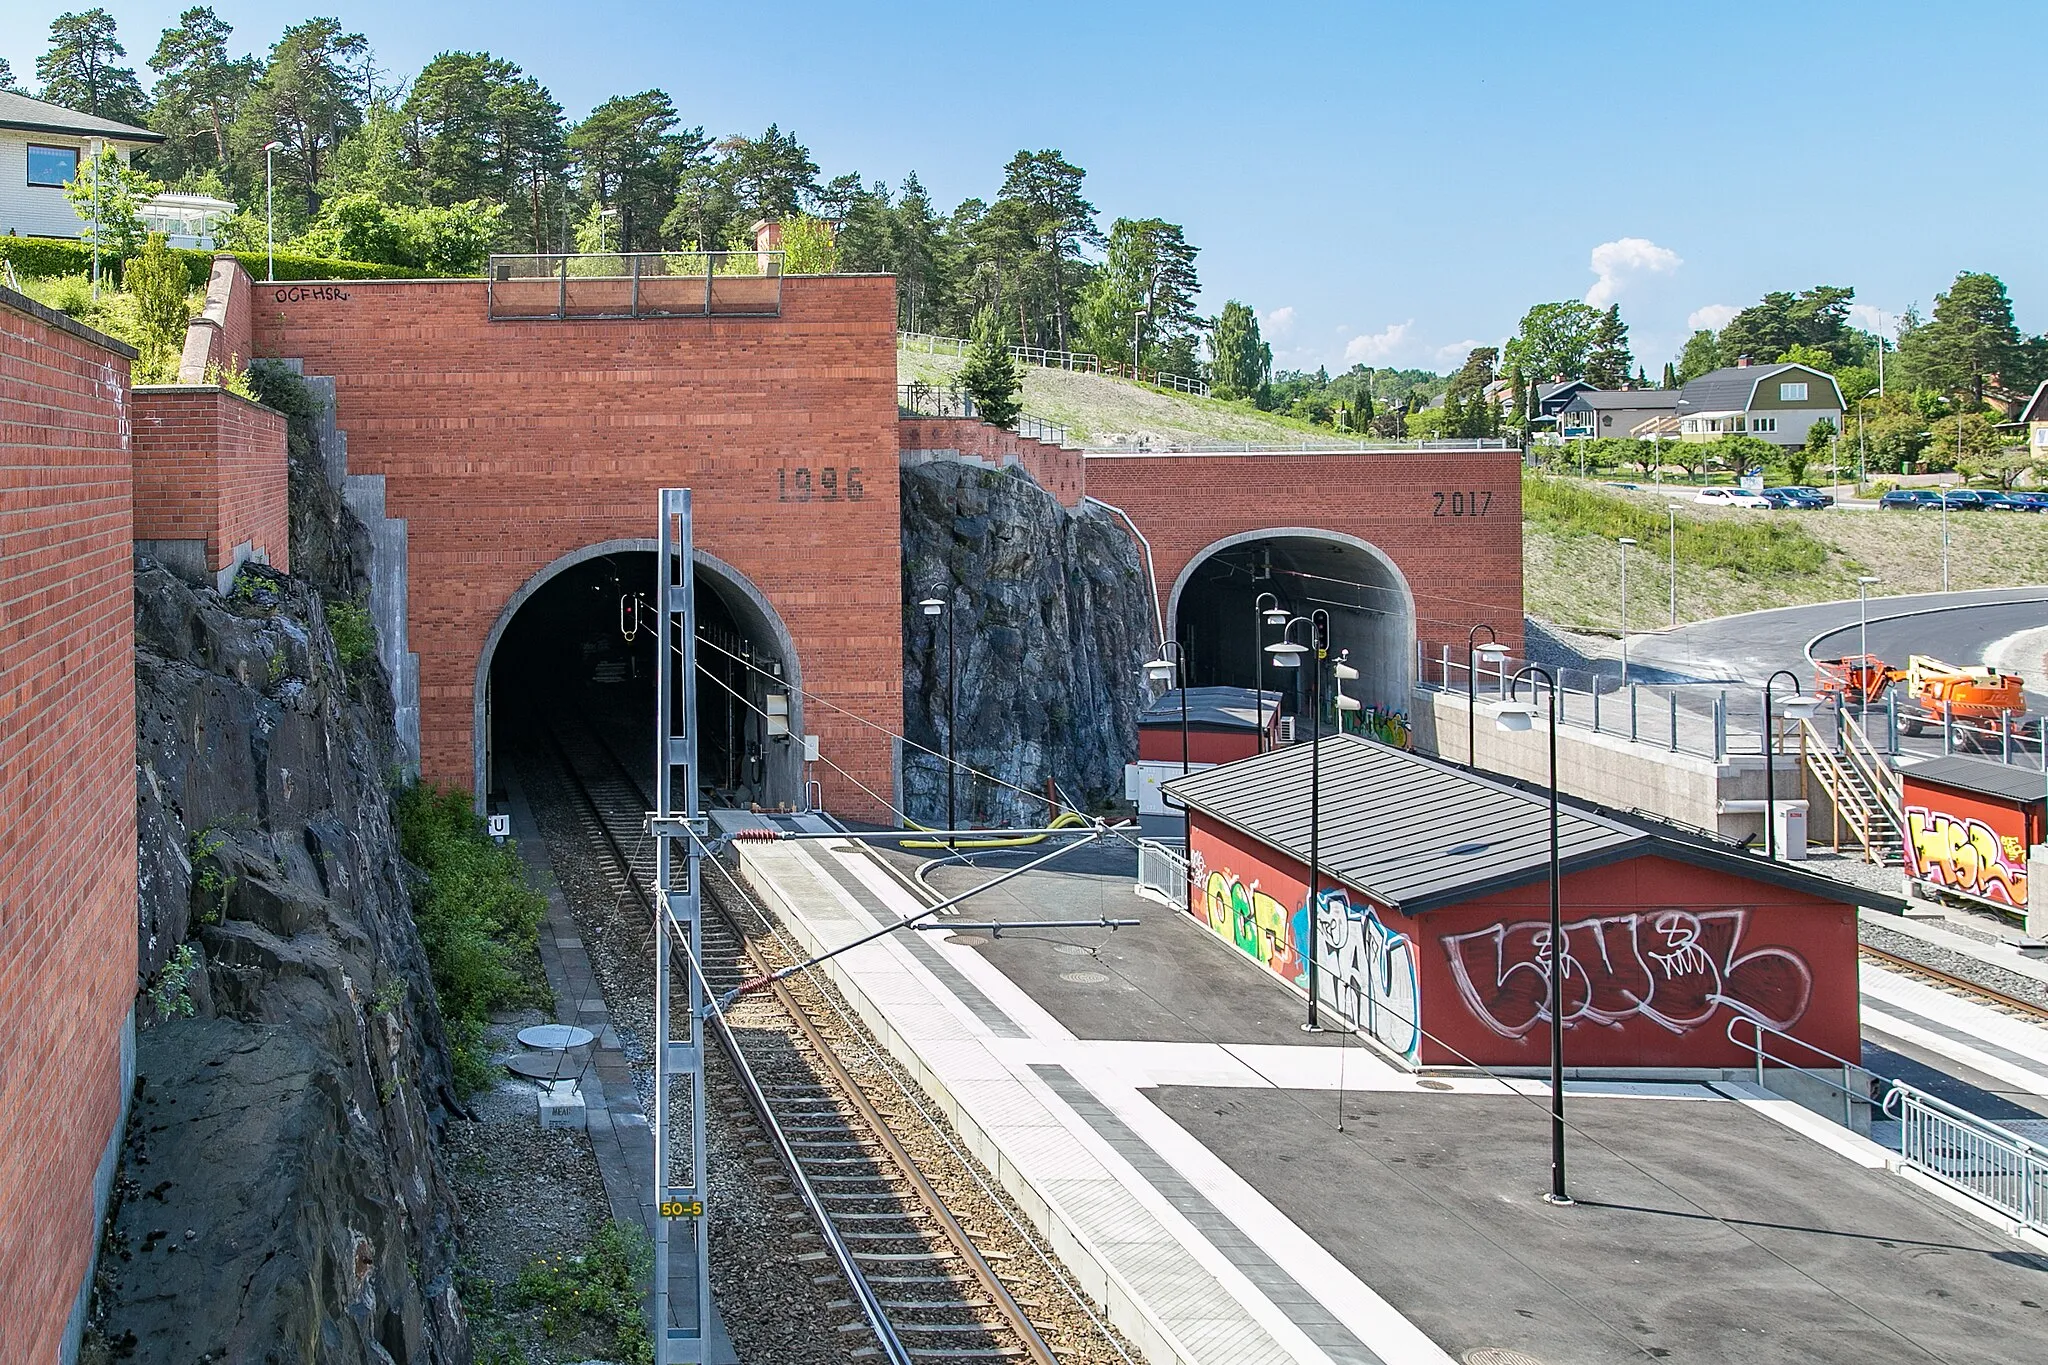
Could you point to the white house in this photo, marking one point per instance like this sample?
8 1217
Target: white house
41 147
1775 403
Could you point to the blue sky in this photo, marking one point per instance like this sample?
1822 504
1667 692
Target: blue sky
1383 183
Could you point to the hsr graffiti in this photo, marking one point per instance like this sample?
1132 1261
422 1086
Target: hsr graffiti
1966 855
1673 968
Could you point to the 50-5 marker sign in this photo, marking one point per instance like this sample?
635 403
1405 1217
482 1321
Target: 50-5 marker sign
823 484
682 1208
1463 503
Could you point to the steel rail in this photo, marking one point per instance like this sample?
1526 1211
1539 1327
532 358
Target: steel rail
956 1237
1962 983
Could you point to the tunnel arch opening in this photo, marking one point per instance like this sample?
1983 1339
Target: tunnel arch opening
581 633
1372 612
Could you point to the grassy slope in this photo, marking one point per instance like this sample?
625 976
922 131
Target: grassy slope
1111 411
1574 579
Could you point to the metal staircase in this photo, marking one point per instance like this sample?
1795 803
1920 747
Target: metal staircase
1861 785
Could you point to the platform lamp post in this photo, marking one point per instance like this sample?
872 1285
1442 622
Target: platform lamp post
1267 611
1492 651
1287 654
1166 670
934 608
1798 707
1626 541
1521 717
1863 584
1671 511
269 212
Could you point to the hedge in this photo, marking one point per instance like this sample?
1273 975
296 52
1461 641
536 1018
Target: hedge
40 256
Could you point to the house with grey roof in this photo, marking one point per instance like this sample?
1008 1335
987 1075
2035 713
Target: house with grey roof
1775 403
1594 413
41 147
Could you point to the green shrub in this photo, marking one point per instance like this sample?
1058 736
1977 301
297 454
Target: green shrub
597 1291
479 920
1750 546
276 385
355 639
38 257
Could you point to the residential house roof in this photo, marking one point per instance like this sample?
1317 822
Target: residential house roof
2036 409
1418 834
1618 400
38 116
1733 388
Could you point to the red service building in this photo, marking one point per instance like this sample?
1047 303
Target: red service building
1969 824
1432 934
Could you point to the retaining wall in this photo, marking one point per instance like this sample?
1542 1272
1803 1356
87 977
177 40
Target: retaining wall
1058 470
210 482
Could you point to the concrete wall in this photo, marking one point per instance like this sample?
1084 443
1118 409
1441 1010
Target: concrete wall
1611 771
210 481
505 446
67 806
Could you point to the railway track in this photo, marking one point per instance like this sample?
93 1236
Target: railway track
1962 985
927 1291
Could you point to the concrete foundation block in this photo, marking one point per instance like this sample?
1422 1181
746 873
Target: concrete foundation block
562 1105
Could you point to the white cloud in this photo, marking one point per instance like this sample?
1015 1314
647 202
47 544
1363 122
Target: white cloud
1455 352
1372 347
1870 320
1711 318
1280 321
1619 261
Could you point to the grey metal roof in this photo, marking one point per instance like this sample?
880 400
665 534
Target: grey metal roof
1729 389
1977 775
1227 708
37 116
1419 834
1612 400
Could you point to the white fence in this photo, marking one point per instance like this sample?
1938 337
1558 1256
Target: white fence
1163 873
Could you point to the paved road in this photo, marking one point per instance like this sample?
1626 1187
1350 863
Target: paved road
1750 647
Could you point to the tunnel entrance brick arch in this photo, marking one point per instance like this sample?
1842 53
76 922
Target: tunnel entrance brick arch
748 605
1309 567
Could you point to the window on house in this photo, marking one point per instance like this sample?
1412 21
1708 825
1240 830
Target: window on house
1792 393
1606 421
1763 423
2041 436
52 165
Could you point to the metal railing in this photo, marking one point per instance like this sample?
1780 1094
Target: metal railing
1079 362
1310 446
1163 871
1688 718
929 400
638 284
1984 1160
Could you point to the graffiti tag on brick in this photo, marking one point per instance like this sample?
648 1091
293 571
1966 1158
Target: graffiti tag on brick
312 293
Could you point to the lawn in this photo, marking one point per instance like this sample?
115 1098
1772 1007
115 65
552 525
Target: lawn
1733 560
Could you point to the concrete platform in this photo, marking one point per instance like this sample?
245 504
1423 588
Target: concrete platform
1149 1098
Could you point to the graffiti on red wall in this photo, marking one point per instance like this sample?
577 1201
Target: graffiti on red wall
1674 968
1364 969
1965 854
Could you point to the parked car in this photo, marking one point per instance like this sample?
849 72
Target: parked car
2029 502
1909 500
1799 496
1962 499
1731 497
2005 502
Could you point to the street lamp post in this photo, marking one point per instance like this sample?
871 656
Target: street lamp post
1671 509
1863 643
269 212
1164 669
935 608
1491 650
1287 654
1523 718
1798 708
1626 541
1266 611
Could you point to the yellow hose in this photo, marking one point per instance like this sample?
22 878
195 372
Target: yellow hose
1065 820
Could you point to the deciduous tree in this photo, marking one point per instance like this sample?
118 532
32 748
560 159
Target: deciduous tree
1240 362
1554 341
1702 353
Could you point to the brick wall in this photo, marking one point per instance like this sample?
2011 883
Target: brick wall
1058 470
507 445
1451 521
221 334
210 468
67 803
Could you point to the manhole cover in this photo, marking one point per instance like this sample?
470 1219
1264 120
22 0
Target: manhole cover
1084 978
1442 1085
967 940
544 1066
555 1036
1073 950
1498 1355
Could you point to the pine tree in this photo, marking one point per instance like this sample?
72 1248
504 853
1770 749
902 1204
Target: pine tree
990 375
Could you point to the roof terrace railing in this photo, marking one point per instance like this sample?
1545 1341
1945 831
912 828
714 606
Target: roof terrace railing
568 287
